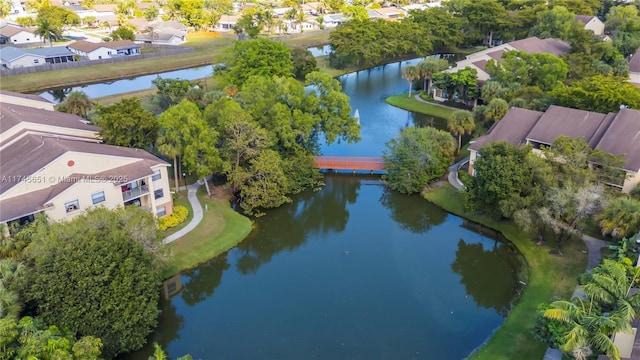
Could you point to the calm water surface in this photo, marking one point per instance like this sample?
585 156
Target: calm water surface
353 271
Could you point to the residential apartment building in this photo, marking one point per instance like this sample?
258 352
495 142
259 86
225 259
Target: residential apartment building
55 163
615 133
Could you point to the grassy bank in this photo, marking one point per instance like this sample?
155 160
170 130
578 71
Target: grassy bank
411 104
181 200
550 277
220 230
208 47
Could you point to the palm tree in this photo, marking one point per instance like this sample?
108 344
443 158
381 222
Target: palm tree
429 67
410 73
78 103
588 330
300 17
48 30
459 123
610 285
269 20
621 217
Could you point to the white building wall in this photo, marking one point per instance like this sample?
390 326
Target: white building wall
25 37
24 61
634 77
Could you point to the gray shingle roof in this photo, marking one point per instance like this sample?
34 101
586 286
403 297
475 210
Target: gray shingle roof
535 45
618 134
12 115
50 51
11 53
634 62
32 152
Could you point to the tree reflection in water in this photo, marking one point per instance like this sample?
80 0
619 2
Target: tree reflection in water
412 212
203 280
490 276
322 212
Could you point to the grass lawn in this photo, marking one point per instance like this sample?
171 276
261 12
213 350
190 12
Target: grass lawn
220 230
550 277
403 102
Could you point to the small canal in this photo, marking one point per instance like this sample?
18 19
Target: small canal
353 271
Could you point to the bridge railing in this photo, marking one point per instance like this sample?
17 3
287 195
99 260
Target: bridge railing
349 163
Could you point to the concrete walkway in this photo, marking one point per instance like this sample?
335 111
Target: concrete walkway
197 213
419 98
453 174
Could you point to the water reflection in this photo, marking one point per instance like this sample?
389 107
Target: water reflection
203 280
412 212
314 213
488 274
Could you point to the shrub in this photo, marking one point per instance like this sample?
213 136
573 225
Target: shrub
178 217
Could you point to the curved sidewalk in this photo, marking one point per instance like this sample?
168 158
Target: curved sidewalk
192 191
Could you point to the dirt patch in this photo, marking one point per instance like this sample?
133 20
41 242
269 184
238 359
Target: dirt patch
220 192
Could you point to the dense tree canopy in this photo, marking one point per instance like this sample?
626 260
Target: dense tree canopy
416 157
127 123
92 277
598 93
260 57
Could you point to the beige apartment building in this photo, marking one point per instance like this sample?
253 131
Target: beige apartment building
54 163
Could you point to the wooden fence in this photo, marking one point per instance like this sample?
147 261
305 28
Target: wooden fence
167 50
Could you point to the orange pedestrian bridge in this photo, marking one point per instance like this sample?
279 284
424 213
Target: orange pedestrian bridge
350 163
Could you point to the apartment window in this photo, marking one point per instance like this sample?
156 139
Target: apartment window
156 175
97 198
161 211
72 206
35 61
158 193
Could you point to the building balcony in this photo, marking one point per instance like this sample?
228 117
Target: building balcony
134 190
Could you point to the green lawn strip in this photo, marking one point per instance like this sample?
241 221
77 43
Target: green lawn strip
403 102
549 277
220 230
182 200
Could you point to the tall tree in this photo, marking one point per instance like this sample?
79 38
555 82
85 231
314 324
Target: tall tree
127 123
484 18
91 277
554 23
410 73
620 218
48 30
416 157
77 103
5 8
260 57
459 123
598 93
427 68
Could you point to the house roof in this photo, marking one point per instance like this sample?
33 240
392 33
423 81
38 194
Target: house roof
11 53
575 123
157 36
50 51
584 18
534 45
634 62
231 19
389 11
32 152
10 30
12 115
618 134
29 203
623 137
105 7
87 46
513 128
24 96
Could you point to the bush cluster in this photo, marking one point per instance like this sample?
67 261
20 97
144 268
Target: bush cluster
178 217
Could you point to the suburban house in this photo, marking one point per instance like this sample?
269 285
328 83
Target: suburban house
54 163
333 20
634 68
11 34
615 133
104 50
479 60
292 26
13 57
163 33
226 22
591 23
390 13
312 8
